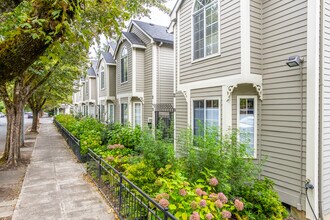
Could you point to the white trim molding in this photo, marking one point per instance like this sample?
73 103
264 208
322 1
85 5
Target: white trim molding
312 112
221 81
245 38
226 111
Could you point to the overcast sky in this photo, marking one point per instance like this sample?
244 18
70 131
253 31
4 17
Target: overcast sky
156 17
159 17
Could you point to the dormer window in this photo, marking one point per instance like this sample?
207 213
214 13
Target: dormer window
205 28
124 65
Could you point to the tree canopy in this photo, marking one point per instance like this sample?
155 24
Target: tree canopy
28 28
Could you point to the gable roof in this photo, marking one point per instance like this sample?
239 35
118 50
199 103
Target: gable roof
91 72
133 39
108 58
156 32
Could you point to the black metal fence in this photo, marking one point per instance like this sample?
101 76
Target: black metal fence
72 141
129 201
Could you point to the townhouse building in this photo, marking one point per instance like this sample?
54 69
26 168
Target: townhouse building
144 74
261 67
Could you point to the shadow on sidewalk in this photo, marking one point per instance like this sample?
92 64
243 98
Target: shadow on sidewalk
11 179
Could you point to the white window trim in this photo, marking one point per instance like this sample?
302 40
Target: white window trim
113 113
205 99
255 99
192 36
134 107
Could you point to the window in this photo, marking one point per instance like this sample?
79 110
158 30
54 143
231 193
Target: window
137 114
87 90
124 65
102 81
102 112
206 115
124 113
205 28
247 121
111 113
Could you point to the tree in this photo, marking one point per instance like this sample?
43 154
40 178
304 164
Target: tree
28 28
62 62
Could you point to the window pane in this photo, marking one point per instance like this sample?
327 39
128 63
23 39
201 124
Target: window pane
212 113
138 114
246 122
199 35
199 117
124 113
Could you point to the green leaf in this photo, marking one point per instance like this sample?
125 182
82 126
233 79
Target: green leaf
172 207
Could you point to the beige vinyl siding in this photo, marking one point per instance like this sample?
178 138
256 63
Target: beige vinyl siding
139 70
112 81
181 113
165 75
255 36
125 87
229 61
205 93
147 107
326 112
283 35
102 92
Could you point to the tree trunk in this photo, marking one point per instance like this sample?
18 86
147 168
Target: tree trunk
35 121
9 115
15 135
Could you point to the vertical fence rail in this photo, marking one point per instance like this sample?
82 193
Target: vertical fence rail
128 200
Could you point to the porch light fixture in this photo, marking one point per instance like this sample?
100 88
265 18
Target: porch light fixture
294 61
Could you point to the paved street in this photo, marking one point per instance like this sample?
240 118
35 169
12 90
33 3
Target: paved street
3 127
55 186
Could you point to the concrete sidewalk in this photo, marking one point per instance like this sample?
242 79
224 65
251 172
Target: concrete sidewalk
54 186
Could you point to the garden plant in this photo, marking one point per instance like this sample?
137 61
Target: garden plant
208 176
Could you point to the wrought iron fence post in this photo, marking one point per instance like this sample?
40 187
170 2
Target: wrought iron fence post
120 191
165 213
100 170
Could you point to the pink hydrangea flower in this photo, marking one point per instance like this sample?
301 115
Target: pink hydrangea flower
183 192
199 192
213 181
213 197
225 214
202 203
208 216
204 193
165 195
164 203
193 205
218 204
194 216
222 198
239 205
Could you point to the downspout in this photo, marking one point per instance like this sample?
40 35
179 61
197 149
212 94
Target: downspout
321 115
159 86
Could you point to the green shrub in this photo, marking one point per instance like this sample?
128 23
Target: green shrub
141 175
156 153
233 165
125 135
